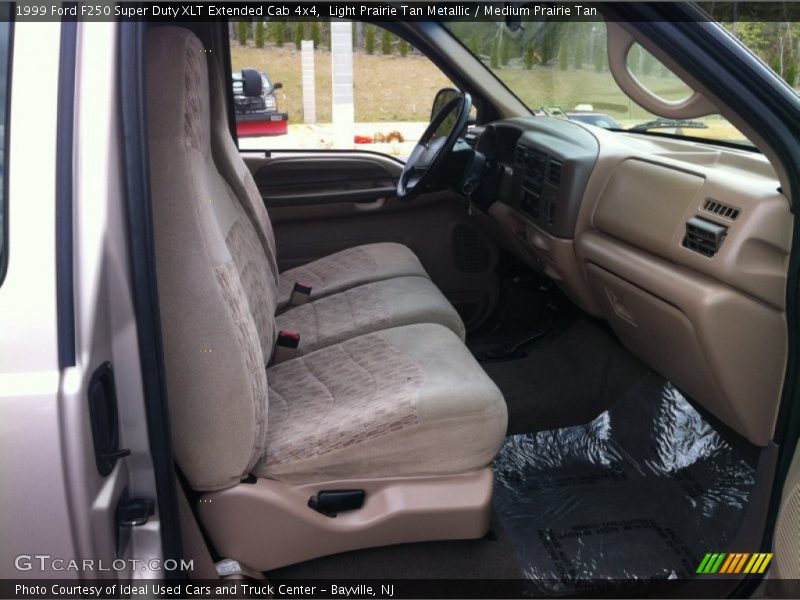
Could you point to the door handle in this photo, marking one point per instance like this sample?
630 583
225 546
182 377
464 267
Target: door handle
369 206
104 420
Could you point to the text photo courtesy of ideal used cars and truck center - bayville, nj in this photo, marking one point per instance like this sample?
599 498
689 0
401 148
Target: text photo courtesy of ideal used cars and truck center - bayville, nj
354 299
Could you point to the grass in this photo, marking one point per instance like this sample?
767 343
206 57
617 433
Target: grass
395 88
546 85
386 88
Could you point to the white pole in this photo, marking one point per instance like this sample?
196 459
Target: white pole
343 109
309 89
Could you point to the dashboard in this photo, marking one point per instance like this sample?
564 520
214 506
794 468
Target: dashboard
549 165
681 246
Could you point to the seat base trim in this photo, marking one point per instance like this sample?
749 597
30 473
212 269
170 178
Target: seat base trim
268 524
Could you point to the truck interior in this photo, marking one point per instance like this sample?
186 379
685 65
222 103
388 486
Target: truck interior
537 349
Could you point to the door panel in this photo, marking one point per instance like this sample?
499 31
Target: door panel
105 335
36 510
299 181
58 502
323 202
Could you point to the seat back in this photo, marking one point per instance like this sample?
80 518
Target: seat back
233 168
215 280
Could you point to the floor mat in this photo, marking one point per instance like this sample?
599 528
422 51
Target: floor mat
567 380
641 492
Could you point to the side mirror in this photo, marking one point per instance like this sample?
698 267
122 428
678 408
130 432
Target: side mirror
252 84
443 96
277 85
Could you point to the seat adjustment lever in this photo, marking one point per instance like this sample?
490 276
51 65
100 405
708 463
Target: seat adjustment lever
332 502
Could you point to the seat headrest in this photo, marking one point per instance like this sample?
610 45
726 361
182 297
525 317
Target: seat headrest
177 88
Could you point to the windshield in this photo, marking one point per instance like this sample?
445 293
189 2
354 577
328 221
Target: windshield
561 69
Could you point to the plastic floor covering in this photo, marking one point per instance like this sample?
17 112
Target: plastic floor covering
641 492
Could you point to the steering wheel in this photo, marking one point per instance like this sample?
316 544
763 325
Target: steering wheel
436 142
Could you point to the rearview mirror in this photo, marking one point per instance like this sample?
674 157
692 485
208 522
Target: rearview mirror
443 96
513 22
277 85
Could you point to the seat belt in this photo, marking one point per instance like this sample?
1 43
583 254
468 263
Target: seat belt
301 293
286 346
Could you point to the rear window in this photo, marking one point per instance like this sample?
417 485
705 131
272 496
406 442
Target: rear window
5 88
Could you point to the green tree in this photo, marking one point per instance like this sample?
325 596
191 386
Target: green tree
563 55
325 35
550 40
298 34
475 44
505 51
261 34
529 56
649 62
776 43
790 72
578 53
600 57
386 42
369 39
279 32
241 32
402 47
494 58
315 33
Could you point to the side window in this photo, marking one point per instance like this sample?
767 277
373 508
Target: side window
330 85
5 89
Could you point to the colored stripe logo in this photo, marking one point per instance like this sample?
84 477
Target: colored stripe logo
734 562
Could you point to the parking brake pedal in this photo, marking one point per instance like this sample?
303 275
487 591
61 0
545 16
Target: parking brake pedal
332 502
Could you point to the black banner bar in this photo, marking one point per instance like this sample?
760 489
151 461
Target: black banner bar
313 589
367 10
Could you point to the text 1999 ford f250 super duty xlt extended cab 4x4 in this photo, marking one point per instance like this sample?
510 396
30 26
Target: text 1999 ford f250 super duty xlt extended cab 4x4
498 351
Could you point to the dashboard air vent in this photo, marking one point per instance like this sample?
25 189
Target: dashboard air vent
704 236
554 174
519 156
471 138
723 210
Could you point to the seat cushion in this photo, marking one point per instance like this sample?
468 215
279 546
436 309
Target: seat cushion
350 268
368 308
408 401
